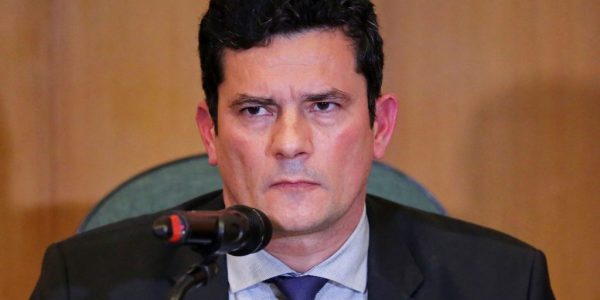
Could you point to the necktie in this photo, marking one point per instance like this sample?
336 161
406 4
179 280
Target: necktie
299 288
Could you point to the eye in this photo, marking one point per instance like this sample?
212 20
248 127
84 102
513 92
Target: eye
254 111
324 106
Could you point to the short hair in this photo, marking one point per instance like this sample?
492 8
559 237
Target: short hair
243 24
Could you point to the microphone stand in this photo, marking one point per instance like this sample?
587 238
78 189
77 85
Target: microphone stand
197 275
239 230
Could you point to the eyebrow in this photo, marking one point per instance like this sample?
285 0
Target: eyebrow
242 99
331 94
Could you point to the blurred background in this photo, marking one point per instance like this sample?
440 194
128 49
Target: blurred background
499 116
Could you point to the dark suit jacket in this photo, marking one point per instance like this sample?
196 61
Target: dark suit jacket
412 255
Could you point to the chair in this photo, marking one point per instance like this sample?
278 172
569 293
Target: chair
172 183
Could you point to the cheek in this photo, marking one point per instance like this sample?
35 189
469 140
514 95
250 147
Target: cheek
240 171
238 157
352 150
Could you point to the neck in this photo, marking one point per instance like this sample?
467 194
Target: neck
304 251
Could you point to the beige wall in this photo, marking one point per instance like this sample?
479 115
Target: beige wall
499 116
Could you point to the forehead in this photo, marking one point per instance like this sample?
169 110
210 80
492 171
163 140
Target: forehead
319 58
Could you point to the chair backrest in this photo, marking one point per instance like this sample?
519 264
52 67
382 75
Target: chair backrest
175 182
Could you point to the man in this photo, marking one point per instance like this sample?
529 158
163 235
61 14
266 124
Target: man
293 118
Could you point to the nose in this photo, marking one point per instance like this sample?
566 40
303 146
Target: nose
291 137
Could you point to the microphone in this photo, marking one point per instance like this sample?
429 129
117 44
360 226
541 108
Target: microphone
238 230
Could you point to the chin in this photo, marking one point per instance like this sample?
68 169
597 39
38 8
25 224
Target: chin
294 223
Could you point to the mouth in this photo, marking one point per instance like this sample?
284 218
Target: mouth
289 184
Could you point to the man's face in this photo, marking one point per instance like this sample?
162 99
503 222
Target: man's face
294 138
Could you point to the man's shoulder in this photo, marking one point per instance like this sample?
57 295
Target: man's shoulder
122 259
137 229
415 223
449 258
428 234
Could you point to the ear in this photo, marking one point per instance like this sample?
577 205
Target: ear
207 132
386 110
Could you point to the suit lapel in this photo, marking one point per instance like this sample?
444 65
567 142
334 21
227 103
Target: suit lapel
392 270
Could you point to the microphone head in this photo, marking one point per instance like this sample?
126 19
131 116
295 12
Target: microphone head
259 230
238 230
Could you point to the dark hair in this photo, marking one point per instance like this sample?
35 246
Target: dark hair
243 24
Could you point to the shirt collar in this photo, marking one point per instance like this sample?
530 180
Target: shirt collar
347 266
